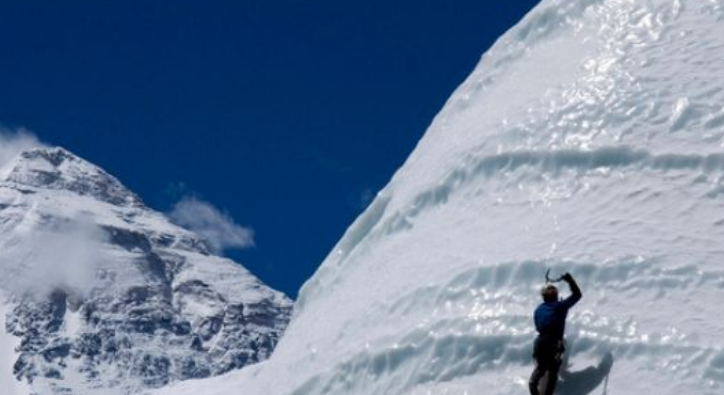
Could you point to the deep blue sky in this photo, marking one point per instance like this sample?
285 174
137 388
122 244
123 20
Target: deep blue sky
284 113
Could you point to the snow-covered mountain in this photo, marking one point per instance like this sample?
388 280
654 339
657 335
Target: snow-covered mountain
589 139
102 295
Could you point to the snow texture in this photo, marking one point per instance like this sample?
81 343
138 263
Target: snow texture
8 345
102 295
589 139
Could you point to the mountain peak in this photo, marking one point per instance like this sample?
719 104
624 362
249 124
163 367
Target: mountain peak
108 296
54 155
55 168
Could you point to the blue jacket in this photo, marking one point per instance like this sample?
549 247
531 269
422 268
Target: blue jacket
550 317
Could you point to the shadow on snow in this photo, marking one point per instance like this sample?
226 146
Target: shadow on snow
587 380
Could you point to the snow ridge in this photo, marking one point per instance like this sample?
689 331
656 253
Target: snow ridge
58 169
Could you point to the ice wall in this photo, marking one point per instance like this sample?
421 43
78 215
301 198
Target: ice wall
589 140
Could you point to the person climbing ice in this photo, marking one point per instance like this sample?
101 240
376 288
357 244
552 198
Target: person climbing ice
550 322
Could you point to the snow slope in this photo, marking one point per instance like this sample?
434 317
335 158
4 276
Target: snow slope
589 139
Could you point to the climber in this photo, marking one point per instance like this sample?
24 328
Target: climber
550 322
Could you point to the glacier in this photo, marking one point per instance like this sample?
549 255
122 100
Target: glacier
100 294
588 139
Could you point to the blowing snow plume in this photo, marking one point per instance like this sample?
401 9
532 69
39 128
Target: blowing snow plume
13 142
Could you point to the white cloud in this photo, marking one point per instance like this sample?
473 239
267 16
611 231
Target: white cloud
12 142
212 224
64 253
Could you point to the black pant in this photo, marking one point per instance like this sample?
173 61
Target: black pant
548 356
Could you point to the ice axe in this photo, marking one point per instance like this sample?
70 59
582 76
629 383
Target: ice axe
552 280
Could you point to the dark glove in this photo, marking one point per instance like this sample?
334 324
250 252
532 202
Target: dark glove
567 277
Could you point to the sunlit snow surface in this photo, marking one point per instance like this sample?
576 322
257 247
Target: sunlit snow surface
589 140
